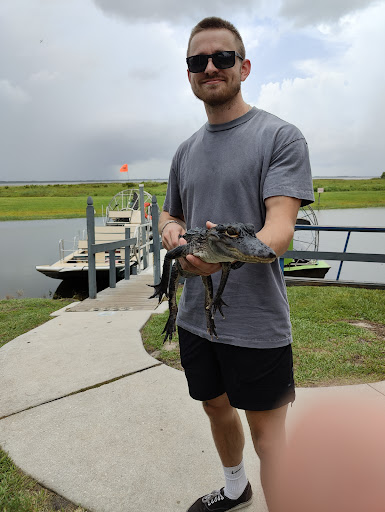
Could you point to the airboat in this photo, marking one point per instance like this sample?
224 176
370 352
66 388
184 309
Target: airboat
124 210
305 241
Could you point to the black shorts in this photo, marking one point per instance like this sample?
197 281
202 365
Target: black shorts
254 379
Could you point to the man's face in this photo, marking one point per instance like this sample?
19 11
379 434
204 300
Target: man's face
215 86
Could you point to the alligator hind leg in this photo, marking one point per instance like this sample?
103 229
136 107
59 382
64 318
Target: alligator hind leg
218 302
208 284
170 326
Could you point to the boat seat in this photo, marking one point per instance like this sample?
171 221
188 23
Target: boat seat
132 216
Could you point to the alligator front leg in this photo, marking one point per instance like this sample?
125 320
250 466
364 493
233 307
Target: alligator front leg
170 326
208 284
162 287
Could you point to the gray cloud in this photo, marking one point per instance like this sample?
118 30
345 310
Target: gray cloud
172 10
102 92
304 12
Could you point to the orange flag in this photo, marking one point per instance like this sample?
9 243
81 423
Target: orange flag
124 168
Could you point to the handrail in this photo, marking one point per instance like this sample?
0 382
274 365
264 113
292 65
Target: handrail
145 246
339 256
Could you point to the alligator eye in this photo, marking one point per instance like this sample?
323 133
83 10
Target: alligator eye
233 233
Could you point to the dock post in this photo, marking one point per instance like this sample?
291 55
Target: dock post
111 255
92 289
155 239
341 262
127 254
143 229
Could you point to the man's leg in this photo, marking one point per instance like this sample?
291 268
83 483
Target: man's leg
269 439
227 430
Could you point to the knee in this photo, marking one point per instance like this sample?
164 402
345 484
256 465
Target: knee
218 408
264 446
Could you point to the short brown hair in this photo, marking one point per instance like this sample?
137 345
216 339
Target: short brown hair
214 22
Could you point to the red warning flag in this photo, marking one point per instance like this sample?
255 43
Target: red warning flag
124 168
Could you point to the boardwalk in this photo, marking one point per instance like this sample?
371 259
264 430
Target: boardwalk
133 295
130 295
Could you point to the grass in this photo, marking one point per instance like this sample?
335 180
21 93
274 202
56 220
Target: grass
328 348
353 199
373 184
35 202
19 492
18 316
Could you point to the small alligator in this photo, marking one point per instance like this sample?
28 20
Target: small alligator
232 245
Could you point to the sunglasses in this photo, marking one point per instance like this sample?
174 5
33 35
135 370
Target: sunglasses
221 60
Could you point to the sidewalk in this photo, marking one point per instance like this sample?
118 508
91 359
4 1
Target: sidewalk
90 415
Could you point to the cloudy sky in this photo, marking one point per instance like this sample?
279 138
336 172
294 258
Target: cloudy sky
88 85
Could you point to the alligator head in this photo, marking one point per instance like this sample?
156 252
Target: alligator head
238 242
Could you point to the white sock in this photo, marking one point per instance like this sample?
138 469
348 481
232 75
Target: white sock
236 481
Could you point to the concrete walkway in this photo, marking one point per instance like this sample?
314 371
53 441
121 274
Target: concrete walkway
90 415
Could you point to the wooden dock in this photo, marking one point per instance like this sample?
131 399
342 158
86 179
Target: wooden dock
133 294
130 295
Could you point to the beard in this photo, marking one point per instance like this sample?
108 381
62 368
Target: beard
213 97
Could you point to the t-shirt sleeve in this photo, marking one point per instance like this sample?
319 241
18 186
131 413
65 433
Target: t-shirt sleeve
172 203
289 173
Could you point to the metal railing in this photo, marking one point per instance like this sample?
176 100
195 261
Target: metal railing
63 251
145 247
339 256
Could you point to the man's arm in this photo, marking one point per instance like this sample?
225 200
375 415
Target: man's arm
281 216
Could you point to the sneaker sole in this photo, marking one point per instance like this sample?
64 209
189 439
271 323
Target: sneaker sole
242 505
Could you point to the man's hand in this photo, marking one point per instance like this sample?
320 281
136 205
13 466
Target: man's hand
170 235
196 265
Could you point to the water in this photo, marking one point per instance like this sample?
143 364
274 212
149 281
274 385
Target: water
25 244
358 242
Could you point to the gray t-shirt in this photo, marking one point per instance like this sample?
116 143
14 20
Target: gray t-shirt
223 173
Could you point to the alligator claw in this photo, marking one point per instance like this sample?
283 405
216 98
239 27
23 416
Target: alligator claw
169 328
217 305
159 291
211 329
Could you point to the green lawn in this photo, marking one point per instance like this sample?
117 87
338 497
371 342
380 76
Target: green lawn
328 348
18 492
18 316
36 208
350 199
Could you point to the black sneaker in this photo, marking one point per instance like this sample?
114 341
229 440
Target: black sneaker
216 501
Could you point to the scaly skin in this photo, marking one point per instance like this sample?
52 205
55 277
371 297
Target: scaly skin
232 245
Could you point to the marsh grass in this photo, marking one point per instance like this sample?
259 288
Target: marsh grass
35 202
328 348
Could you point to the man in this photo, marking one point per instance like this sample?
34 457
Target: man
244 165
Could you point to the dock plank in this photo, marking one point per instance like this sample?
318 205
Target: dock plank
130 295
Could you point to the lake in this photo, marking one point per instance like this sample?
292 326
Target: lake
26 244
